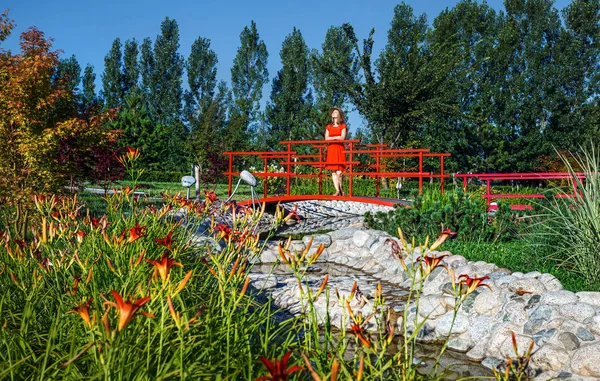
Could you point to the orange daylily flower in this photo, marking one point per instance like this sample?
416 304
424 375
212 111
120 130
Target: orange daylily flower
166 242
79 236
132 153
127 309
278 370
443 237
84 311
211 196
430 263
163 266
136 232
293 213
224 230
469 284
360 333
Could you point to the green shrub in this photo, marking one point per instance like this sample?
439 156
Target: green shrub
461 212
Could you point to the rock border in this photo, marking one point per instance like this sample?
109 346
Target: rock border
564 326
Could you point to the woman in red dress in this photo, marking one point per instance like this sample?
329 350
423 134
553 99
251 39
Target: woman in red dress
336 155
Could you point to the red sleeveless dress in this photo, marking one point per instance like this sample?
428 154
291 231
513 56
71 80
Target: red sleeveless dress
335 151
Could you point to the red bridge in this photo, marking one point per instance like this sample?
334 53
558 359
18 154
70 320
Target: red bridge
312 163
369 161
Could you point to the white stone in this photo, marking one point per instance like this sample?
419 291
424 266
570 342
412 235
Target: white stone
480 327
486 301
559 297
532 274
527 286
589 297
523 343
454 261
550 282
443 325
577 311
360 238
461 343
594 324
586 361
498 335
478 352
431 307
550 357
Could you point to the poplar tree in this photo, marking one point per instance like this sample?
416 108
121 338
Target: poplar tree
112 84
577 118
291 101
467 33
337 57
204 112
89 97
165 85
526 64
131 67
248 76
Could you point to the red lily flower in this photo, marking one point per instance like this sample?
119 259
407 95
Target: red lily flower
443 237
163 266
293 214
79 236
430 263
127 310
166 242
469 284
224 229
84 311
211 196
132 153
136 232
359 332
278 370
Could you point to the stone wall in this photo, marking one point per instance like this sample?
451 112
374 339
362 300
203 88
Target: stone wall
564 326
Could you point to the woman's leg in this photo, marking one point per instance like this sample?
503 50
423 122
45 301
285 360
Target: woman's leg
334 177
340 182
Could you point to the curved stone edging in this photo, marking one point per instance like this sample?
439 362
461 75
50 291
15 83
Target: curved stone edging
564 326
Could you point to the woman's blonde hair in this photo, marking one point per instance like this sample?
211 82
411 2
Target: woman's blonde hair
340 111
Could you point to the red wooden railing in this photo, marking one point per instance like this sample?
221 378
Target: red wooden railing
489 177
375 168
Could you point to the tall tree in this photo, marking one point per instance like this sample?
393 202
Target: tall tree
147 69
89 97
166 95
202 78
291 101
337 57
468 33
526 63
131 67
577 115
67 75
248 76
112 81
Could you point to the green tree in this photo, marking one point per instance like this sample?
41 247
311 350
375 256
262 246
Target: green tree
337 57
89 98
131 67
167 96
291 101
202 78
468 33
112 81
525 62
68 76
147 70
248 76
577 115
204 112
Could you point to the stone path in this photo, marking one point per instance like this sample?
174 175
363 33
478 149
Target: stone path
321 215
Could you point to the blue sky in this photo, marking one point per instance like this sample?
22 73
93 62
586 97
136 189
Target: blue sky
88 28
